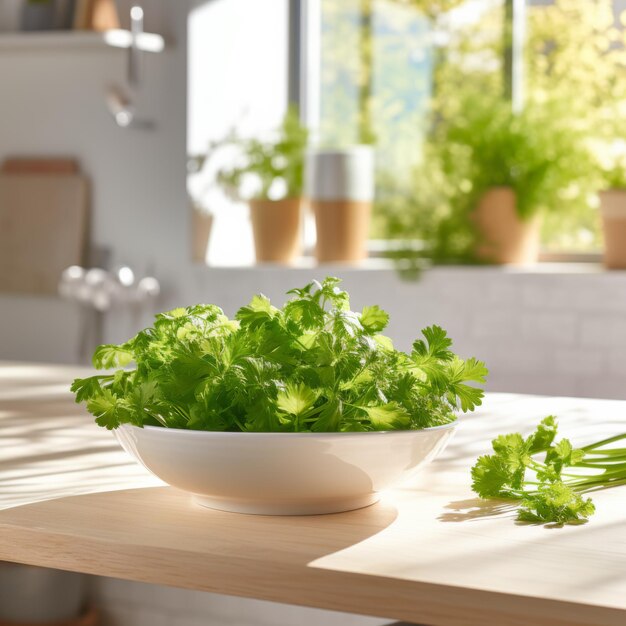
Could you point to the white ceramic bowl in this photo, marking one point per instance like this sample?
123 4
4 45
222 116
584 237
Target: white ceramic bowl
283 473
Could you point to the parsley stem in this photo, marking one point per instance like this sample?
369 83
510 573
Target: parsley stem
599 444
599 483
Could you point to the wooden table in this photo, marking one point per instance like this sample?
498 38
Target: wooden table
429 552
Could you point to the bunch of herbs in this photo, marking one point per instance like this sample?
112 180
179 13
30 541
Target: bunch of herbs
313 365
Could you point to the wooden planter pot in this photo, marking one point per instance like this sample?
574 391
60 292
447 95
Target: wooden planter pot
342 230
505 238
277 229
613 211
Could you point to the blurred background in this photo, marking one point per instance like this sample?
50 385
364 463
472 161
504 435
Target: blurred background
459 162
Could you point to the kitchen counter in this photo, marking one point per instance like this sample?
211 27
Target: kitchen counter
429 552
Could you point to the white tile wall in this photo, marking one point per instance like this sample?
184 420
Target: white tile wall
554 329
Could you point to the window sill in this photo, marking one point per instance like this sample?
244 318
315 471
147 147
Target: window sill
306 265
378 249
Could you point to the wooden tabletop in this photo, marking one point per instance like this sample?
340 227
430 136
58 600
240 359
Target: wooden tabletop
430 552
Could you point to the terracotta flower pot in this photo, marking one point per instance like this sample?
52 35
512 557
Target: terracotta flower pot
342 230
201 224
504 237
340 184
613 211
277 229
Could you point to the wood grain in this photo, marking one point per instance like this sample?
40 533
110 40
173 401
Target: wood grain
428 553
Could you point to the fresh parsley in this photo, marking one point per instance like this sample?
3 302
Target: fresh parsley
549 490
313 365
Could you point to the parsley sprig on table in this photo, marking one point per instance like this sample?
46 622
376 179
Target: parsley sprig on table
313 365
549 490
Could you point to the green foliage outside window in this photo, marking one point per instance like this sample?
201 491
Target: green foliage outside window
536 153
575 88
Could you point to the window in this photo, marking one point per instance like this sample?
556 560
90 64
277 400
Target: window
393 72
391 69
237 79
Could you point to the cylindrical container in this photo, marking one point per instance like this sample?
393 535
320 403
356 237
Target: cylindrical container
504 237
201 225
37 595
340 186
277 229
613 210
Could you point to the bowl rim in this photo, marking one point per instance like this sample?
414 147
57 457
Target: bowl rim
180 432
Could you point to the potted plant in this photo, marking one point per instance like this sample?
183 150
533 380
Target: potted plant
612 167
514 167
269 174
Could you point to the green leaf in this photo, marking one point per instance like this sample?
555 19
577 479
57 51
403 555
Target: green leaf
543 437
329 417
374 319
262 416
437 344
492 477
305 312
460 372
257 313
384 342
563 454
105 409
330 292
142 402
87 388
108 356
513 450
296 399
173 314
346 324
389 416
557 503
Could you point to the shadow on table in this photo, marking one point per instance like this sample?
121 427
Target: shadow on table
475 509
168 519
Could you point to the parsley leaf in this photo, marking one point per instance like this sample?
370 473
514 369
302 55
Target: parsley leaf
109 356
374 319
546 493
312 365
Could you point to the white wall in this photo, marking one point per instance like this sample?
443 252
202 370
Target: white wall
556 330
237 71
52 102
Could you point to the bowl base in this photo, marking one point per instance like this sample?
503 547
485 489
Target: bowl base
288 507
